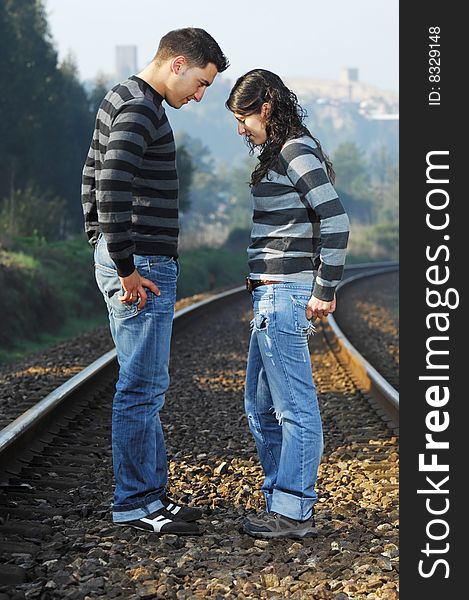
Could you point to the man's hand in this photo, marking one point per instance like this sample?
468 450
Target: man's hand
133 286
319 308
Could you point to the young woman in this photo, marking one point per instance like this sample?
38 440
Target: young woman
296 257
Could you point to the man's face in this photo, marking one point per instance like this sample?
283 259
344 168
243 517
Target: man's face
189 83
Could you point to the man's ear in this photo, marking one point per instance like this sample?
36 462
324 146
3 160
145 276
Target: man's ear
177 63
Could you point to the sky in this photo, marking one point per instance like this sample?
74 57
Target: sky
296 38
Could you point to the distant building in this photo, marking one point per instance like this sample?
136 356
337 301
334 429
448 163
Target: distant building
126 61
349 76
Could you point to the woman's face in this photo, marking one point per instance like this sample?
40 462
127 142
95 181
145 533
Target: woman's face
252 127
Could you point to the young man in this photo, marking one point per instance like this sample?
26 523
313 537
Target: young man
130 205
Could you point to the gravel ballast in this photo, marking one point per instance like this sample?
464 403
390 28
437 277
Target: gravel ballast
74 550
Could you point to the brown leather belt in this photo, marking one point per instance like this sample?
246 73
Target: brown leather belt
252 284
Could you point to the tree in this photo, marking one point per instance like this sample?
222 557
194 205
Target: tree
28 60
36 213
185 169
97 93
385 179
46 124
66 146
353 181
202 159
237 180
203 188
8 67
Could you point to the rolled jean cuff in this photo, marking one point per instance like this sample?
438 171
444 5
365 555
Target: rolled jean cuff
268 501
136 513
290 505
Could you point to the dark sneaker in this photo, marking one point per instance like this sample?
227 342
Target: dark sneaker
161 521
274 525
181 513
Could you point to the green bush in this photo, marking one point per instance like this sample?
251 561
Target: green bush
206 269
29 303
31 211
49 287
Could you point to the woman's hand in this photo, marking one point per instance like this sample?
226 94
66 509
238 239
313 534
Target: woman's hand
319 308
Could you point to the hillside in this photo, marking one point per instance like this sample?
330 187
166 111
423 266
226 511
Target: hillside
334 116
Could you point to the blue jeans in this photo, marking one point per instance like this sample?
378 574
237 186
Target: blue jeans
142 340
280 399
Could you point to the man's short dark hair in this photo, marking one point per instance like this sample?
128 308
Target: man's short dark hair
196 45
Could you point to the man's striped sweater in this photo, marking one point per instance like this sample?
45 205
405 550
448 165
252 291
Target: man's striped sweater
300 228
129 182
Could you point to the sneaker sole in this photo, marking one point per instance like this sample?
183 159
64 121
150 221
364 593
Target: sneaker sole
310 533
178 533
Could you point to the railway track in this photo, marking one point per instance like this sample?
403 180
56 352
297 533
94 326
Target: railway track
56 537
367 375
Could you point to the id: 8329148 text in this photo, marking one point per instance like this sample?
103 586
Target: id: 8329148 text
434 66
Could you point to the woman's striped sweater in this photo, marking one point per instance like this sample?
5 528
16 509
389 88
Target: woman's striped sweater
300 228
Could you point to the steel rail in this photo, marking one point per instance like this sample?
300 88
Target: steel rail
366 374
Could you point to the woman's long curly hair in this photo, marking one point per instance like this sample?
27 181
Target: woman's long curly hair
284 120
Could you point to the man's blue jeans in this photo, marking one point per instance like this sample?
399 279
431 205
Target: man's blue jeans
280 399
142 340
